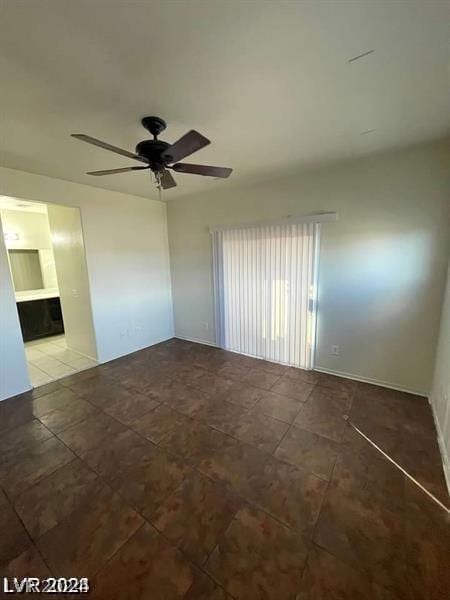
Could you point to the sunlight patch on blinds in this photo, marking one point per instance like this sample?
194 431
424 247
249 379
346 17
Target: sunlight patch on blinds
265 285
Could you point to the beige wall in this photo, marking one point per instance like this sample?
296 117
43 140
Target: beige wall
127 259
382 265
440 395
73 283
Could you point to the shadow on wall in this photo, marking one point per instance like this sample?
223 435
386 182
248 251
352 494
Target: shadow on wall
380 265
379 275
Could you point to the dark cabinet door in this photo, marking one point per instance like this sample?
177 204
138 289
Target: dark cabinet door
40 318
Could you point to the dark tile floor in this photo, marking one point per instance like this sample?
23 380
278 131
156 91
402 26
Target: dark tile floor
184 471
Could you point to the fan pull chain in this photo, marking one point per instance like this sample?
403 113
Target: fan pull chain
156 176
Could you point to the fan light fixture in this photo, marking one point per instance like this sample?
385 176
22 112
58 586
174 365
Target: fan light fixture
160 156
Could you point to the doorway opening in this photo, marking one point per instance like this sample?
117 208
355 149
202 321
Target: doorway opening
45 250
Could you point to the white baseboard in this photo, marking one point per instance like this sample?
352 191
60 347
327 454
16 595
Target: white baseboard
380 382
195 340
102 362
442 448
440 438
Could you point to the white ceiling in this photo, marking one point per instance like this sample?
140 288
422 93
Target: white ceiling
268 82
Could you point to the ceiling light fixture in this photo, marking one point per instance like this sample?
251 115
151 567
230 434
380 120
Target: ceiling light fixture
358 56
158 156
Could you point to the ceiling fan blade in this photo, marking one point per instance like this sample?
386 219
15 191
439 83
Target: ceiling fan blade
167 180
95 142
189 143
114 171
207 170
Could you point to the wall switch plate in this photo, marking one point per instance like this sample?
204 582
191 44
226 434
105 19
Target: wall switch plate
335 350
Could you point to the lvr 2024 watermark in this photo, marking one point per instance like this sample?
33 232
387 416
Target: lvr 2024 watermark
49 585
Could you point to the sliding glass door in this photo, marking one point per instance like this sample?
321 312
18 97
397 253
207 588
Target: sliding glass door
265 291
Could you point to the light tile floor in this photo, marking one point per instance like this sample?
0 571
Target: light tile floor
50 359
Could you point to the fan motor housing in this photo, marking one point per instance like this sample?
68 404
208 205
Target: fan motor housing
152 150
155 125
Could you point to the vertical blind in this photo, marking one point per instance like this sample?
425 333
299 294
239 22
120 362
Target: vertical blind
265 291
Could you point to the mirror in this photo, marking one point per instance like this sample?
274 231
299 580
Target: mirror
26 270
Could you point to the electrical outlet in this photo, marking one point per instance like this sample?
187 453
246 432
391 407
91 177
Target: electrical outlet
335 350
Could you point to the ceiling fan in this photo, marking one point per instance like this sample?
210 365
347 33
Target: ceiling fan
160 156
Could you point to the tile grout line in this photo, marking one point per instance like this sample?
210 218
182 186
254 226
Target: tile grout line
33 542
326 492
134 507
204 424
249 502
196 418
76 455
290 426
195 468
30 363
252 503
104 481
